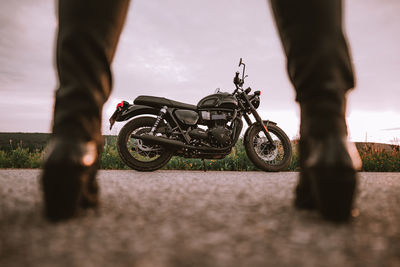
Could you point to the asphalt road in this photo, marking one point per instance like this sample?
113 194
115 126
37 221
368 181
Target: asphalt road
183 218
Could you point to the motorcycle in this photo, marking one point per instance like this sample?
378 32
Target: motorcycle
159 128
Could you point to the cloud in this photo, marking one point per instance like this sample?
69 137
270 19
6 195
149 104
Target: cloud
27 30
190 48
185 49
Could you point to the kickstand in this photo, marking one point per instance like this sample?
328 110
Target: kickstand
204 165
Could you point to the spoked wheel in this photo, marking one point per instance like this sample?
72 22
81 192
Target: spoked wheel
137 154
265 155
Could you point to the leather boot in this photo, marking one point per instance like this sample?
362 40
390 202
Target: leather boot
69 178
328 176
304 199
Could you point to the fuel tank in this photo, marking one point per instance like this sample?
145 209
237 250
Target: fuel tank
219 100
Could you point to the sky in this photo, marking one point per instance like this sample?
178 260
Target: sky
185 49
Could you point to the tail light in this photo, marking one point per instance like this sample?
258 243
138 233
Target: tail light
122 104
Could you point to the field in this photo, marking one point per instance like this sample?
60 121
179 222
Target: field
26 150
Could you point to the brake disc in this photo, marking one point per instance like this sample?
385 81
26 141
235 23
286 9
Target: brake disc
141 148
264 150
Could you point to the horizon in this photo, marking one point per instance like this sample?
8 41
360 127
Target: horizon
395 142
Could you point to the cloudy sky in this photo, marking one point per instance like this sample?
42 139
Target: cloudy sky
184 49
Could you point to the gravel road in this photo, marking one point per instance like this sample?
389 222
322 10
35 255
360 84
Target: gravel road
185 218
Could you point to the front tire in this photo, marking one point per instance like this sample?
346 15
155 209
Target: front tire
138 155
262 154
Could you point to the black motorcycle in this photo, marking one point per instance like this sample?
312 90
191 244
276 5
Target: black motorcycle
161 128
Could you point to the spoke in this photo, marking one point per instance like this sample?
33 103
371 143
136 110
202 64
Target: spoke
265 152
140 151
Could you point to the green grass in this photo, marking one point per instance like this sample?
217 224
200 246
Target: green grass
374 160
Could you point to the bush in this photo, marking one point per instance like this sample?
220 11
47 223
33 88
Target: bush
5 160
20 158
377 160
110 158
374 160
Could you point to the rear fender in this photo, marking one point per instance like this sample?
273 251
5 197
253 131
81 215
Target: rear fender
136 110
130 112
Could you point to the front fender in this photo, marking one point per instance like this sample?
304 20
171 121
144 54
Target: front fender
266 123
130 112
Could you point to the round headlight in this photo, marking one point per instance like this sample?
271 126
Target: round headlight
255 102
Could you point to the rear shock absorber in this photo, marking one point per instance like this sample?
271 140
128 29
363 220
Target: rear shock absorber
163 110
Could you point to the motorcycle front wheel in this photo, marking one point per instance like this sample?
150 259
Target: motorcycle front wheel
262 153
137 154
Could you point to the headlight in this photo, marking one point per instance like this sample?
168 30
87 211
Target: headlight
255 101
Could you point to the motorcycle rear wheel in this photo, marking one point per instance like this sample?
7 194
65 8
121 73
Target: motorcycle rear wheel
137 154
262 154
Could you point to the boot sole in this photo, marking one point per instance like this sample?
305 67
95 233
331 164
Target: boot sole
62 189
334 191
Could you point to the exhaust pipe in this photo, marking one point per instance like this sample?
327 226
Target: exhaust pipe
157 140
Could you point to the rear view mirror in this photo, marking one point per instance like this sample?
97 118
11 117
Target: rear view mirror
240 62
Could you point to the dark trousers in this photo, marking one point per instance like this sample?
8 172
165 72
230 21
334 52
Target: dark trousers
318 60
88 34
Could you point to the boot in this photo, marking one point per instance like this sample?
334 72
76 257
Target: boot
327 176
304 199
69 178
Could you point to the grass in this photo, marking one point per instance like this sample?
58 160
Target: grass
374 159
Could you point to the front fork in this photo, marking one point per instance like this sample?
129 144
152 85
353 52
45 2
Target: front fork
258 119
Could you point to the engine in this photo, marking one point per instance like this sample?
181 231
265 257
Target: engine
221 135
217 113
219 132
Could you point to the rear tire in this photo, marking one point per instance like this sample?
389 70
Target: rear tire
262 154
135 153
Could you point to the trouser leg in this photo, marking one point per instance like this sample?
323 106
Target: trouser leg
320 69
318 60
87 38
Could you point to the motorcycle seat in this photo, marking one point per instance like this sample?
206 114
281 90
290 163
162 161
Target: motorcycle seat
159 102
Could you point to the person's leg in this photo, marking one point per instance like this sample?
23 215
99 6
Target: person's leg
319 66
88 33
87 38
